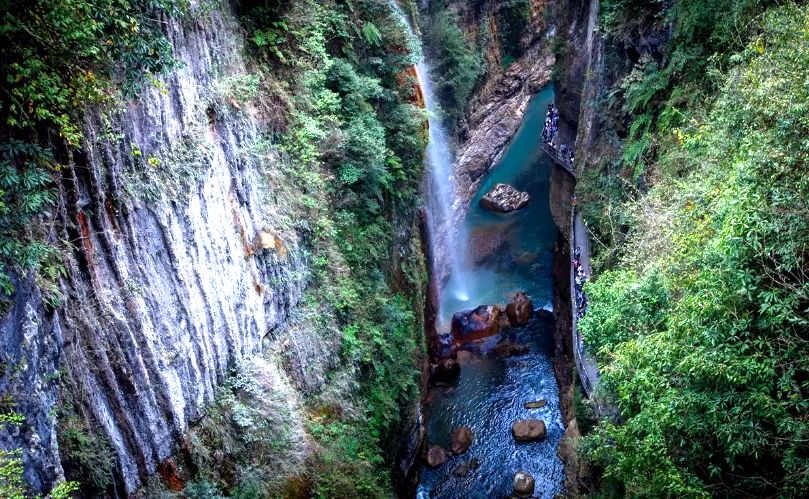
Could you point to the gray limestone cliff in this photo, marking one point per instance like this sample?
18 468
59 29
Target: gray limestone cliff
172 279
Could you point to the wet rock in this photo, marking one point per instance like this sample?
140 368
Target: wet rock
481 322
436 456
523 484
520 310
444 371
529 430
537 404
509 349
505 199
461 439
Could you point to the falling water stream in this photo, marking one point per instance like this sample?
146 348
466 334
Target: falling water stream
446 240
490 392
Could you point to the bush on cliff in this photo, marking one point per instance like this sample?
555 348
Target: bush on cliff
708 367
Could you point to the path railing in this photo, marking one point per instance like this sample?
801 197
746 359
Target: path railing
558 158
585 364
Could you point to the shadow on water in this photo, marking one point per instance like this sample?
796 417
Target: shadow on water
510 253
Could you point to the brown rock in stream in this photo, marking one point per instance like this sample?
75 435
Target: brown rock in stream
444 371
529 430
481 322
509 349
520 310
505 198
461 439
436 456
523 484
537 404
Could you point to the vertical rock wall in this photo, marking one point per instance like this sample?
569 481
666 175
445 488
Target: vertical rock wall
167 285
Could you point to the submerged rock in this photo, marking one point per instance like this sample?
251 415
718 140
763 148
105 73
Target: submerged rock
537 404
461 439
470 325
436 456
520 310
487 243
523 484
466 468
509 349
505 199
529 430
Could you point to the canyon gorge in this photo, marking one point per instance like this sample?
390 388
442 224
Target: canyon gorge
414 248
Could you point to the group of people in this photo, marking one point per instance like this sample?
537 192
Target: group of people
550 132
580 278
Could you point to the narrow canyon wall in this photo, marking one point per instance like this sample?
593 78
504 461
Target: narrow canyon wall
499 103
172 277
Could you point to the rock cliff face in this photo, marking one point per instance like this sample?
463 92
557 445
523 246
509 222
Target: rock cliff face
498 106
165 287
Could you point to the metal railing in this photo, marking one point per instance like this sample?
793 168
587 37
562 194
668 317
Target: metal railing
585 365
558 158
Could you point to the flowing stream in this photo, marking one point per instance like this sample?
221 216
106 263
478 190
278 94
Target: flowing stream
487 260
490 392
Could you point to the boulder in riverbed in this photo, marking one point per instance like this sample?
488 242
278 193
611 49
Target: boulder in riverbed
523 484
466 468
470 325
520 310
461 439
436 456
536 404
488 243
504 199
529 430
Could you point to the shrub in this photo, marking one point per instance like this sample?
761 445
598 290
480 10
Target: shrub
456 62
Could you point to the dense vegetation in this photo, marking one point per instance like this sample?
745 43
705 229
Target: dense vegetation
458 35
345 117
700 312
58 57
355 138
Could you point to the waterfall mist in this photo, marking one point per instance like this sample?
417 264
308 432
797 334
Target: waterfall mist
448 242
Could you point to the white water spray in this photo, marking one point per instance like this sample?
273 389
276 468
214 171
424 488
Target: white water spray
448 244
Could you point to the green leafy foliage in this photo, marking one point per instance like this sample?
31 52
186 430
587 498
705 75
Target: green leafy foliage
57 58
12 480
456 62
87 455
512 17
701 334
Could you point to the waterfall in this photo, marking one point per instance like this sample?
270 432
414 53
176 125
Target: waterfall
448 245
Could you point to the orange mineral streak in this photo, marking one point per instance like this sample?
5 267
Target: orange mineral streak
169 472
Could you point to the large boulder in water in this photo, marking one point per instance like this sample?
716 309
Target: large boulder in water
461 439
436 456
523 484
504 199
529 430
519 311
470 325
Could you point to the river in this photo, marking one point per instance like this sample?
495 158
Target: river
490 392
